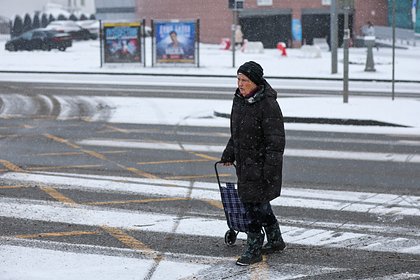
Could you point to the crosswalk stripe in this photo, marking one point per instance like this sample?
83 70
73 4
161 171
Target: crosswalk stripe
97 262
344 201
399 276
27 262
306 153
195 226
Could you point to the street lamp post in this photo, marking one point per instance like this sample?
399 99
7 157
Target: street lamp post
334 35
233 36
393 49
235 5
346 54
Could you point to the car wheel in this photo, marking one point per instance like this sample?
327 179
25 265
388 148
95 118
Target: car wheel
62 49
12 48
46 47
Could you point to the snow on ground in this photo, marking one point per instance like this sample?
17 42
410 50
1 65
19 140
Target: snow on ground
23 262
84 56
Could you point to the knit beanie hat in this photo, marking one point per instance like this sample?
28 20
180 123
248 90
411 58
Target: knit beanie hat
253 71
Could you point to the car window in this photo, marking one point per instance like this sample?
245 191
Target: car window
50 33
38 34
27 35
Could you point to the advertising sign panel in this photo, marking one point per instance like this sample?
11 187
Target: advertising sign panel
296 30
122 42
175 42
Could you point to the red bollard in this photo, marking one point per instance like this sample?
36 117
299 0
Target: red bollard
282 48
226 43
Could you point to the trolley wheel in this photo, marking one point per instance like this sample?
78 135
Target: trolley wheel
230 237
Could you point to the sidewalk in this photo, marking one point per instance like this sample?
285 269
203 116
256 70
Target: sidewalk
85 57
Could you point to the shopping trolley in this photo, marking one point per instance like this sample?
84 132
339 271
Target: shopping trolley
236 216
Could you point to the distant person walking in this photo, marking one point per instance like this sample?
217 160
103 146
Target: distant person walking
368 29
257 144
239 36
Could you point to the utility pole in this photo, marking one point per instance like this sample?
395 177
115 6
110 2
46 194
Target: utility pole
233 35
346 54
393 49
334 35
413 19
235 6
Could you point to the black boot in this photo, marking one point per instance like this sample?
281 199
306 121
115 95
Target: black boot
274 240
252 254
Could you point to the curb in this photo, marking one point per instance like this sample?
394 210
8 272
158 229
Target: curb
355 122
201 76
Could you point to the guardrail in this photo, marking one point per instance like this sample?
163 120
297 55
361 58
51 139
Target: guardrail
404 36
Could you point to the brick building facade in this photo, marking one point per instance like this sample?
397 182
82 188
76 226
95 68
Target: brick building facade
267 20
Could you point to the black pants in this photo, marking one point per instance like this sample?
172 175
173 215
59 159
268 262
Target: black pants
260 214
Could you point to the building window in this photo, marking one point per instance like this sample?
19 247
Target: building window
265 2
82 3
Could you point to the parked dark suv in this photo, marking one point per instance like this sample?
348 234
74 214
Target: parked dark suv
39 39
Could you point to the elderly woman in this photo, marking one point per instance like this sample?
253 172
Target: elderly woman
256 145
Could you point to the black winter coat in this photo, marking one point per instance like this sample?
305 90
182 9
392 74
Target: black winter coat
257 145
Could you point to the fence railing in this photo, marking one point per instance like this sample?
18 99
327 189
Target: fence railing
404 36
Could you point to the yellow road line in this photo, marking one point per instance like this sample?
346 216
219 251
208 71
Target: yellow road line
61 154
62 167
137 201
57 234
140 172
194 176
209 158
214 203
95 154
171 161
61 140
261 270
113 128
10 166
126 239
78 153
58 196
114 152
11 187
101 157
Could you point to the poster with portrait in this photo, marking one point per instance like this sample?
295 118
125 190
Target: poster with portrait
175 42
122 42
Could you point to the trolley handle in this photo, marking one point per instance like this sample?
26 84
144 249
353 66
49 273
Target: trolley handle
217 173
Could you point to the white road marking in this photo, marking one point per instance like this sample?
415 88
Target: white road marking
400 276
93 261
194 226
33 263
345 201
306 153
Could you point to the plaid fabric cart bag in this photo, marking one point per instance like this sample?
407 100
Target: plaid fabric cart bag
236 217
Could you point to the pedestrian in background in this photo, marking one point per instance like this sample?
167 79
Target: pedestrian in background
257 145
239 36
368 30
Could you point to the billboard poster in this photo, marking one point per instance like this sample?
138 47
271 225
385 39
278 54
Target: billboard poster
296 30
175 42
122 42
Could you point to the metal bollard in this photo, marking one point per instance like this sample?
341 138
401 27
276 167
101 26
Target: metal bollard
370 64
